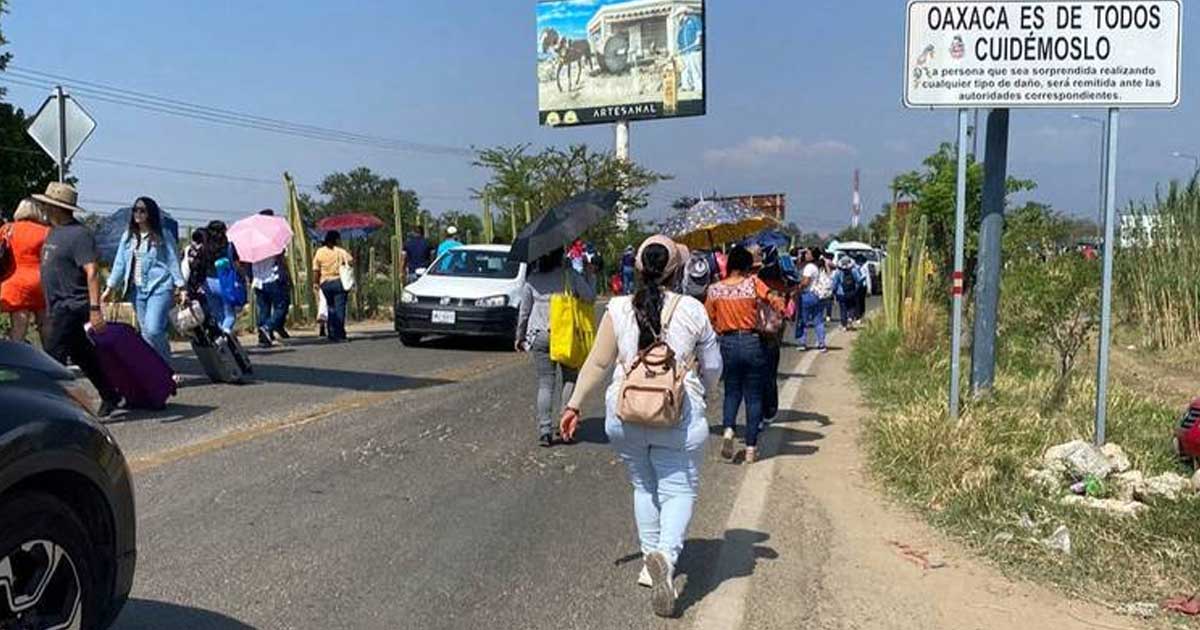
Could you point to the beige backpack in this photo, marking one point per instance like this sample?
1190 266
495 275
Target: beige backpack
653 391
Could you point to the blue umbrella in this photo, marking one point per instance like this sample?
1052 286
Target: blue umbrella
113 227
770 238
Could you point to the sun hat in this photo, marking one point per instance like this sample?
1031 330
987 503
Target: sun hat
845 262
677 254
451 230
61 195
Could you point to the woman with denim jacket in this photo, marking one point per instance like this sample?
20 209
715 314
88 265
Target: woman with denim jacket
146 270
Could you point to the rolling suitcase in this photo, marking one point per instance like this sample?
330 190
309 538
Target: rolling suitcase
134 369
221 356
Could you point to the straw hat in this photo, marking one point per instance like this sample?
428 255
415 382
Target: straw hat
61 195
451 231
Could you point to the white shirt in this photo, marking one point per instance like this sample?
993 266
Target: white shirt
264 272
812 273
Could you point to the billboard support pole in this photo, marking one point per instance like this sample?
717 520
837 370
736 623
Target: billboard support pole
960 236
1110 219
622 151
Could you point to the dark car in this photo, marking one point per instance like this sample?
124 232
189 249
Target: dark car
67 531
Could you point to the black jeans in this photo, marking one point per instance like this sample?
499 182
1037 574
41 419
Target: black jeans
771 380
67 338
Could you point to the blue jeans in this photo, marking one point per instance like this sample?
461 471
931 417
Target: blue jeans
812 315
771 381
336 296
664 468
273 300
153 312
627 280
221 313
745 359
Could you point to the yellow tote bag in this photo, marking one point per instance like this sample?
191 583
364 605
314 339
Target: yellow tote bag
572 328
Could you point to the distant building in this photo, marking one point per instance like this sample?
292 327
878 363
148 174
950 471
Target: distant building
647 23
1140 230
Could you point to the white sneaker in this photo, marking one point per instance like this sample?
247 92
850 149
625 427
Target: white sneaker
644 577
662 596
727 444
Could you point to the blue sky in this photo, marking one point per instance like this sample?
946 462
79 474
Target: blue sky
800 94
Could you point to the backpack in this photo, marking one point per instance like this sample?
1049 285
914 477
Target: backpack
653 392
233 288
849 283
823 286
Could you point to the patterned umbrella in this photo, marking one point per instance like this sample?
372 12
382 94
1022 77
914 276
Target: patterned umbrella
711 223
350 226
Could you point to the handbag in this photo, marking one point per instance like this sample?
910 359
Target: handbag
652 393
768 321
572 327
346 275
187 317
8 261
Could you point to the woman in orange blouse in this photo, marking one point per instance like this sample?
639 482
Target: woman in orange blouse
732 305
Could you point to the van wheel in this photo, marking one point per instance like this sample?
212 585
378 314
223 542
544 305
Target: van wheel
47 564
410 340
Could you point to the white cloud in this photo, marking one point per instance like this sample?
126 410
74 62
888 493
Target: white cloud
757 150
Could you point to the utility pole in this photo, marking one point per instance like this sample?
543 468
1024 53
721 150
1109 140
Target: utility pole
1106 291
987 273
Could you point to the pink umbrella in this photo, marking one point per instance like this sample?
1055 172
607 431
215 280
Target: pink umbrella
260 237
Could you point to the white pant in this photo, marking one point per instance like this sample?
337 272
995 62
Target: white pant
693 72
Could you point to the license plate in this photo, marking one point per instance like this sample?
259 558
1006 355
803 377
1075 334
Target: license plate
442 317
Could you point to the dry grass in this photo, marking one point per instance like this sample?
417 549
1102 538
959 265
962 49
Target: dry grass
970 480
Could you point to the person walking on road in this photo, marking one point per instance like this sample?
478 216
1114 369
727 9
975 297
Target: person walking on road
551 276
847 284
663 463
219 258
416 252
450 242
326 266
71 280
732 306
628 264
773 276
272 295
146 271
812 309
21 294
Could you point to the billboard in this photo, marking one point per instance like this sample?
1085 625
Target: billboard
600 61
1035 53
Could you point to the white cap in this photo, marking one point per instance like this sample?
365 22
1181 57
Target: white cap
451 230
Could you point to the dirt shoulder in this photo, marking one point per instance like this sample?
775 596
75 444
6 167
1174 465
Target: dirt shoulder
849 558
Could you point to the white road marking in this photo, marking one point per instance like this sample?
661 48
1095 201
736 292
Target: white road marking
725 607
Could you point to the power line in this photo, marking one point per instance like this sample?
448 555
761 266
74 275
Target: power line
149 102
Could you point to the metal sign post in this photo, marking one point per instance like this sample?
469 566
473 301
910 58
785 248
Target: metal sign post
1110 216
60 127
960 236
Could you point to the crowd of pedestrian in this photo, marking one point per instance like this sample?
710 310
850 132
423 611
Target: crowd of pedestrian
683 319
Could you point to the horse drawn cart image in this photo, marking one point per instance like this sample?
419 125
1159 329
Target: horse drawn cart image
605 60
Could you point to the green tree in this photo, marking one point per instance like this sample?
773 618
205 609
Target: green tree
933 193
24 169
860 233
520 177
363 190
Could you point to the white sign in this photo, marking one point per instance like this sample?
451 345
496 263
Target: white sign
44 127
1089 53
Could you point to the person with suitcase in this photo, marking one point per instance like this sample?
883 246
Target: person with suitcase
220 354
71 280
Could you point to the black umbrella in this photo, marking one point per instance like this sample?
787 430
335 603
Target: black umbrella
562 224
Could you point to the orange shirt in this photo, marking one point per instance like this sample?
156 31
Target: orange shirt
734 307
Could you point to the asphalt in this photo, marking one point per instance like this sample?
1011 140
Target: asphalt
369 485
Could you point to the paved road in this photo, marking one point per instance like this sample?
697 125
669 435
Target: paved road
373 486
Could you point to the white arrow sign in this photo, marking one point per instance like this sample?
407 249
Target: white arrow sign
60 127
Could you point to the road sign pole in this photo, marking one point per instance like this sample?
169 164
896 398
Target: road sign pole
62 133
987 272
1110 250
960 235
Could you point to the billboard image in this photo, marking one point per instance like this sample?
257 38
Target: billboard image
600 61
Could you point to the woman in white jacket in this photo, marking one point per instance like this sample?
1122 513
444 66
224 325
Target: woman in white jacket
663 463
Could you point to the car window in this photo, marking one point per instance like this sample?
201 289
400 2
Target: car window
861 256
469 263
